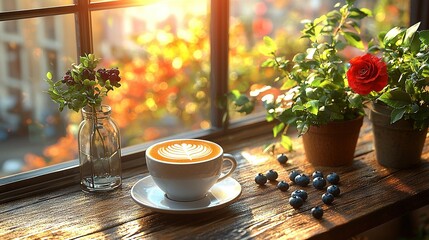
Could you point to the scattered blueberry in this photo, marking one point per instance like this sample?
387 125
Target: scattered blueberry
333 178
300 193
272 175
282 158
317 212
293 174
283 186
317 174
334 190
296 202
260 179
302 180
319 183
327 198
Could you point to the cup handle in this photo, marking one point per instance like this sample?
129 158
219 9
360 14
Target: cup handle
228 157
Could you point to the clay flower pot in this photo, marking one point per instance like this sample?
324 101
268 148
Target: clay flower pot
397 145
333 144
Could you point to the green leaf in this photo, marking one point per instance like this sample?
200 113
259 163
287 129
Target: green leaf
353 39
269 47
424 37
288 117
268 63
409 34
311 93
312 106
367 11
278 129
235 94
300 57
242 100
424 70
87 82
329 85
397 114
319 20
269 117
310 53
409 86
286 142
298 108
392 34
49 75
288 84
357 13
355 100
396 98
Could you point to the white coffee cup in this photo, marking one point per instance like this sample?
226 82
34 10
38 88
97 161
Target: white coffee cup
186 169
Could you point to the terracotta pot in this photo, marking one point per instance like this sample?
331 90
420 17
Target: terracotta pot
397 145
333 144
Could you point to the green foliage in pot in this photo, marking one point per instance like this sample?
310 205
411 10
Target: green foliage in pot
405 52
314 87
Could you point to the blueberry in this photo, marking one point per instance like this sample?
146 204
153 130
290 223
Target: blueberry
272 175
282 158
283 186
319 183
293 174
300 193
302 180
260 179
296 202
317 212
317 174
333 178
334 190
327 198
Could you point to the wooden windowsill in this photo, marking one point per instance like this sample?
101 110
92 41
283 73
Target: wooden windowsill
370 195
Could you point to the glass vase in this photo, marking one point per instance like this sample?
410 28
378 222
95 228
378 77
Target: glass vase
99 150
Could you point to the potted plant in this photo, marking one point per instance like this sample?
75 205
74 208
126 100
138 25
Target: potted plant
397 84
314 95
83 88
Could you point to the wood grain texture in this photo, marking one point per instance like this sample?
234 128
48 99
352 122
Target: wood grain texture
370 195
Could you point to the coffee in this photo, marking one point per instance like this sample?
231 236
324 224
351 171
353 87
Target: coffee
186 169
184 151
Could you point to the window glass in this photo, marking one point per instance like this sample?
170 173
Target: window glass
251 20
14 60
163 51
29 121
7 5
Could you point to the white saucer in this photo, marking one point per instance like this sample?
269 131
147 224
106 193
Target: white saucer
147 194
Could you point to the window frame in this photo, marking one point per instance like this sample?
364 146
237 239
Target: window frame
222 130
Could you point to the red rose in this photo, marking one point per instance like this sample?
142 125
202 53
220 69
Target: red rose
367 73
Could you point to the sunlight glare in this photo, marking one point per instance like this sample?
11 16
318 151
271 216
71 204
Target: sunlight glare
255 158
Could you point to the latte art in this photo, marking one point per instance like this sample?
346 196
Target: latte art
185 151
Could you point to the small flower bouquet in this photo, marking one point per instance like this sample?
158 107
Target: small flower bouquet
83 85
83 88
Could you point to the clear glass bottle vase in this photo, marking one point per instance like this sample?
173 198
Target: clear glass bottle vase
99 150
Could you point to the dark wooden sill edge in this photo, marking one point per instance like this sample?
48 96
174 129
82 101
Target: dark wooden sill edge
378 217
66 174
